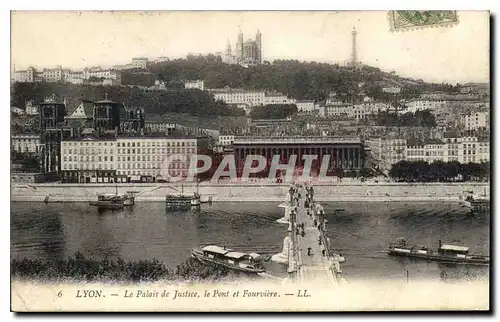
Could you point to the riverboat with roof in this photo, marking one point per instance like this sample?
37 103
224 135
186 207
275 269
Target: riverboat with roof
248 263
444 253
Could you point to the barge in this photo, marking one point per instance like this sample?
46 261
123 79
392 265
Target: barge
445 253
183 201
238 261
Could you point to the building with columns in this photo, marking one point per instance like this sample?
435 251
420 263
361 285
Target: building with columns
26 143
345 153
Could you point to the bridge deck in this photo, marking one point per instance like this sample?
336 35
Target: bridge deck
314 267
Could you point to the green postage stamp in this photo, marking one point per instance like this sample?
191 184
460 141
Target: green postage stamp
417 19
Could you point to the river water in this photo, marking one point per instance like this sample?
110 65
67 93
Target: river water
361 231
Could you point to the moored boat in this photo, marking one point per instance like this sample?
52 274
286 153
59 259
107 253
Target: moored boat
445 253
479 204
183 201
108 202
249 263
128 199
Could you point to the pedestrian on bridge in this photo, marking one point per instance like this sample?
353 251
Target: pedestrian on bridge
319 240
315 223
309 251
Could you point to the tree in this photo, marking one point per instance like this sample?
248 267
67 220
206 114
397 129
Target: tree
273 111
193 102
421 171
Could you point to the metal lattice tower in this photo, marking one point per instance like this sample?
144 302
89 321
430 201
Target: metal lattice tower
354 53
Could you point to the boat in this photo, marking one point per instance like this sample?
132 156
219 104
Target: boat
477 204
128 199
183 201
113 201
108 201
238 261
445 253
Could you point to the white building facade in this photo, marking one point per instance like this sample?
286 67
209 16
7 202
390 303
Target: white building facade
475 121
278 99
195 84
26 143
126 159
139 62
226 140
250 98
425 104
305 106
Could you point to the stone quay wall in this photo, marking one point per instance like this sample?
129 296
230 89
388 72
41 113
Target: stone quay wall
55 192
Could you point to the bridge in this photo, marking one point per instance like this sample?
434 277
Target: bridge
309 258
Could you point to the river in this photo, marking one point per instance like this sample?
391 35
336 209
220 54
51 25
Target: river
361 231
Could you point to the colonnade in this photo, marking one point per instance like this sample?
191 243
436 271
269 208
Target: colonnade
342 157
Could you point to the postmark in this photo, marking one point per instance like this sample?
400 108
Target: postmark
402 20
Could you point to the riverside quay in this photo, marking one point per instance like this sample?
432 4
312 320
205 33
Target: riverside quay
344 153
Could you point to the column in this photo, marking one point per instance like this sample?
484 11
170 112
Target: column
332 158
345 158
337 156
350 161
359 159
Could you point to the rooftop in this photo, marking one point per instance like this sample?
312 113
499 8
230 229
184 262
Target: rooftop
235 255
216 249
294 139
433 141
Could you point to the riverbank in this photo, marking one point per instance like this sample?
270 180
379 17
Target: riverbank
156 192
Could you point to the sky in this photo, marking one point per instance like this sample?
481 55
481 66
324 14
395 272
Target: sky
73 39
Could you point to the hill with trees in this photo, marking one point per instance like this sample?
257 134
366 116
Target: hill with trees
419 118
299 80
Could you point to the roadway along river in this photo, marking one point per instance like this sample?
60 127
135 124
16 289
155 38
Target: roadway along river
361 231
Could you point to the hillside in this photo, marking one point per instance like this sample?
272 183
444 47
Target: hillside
299 80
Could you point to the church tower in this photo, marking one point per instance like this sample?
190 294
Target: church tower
258 40
239 46
228 48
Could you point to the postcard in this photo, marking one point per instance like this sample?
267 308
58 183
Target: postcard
250 161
